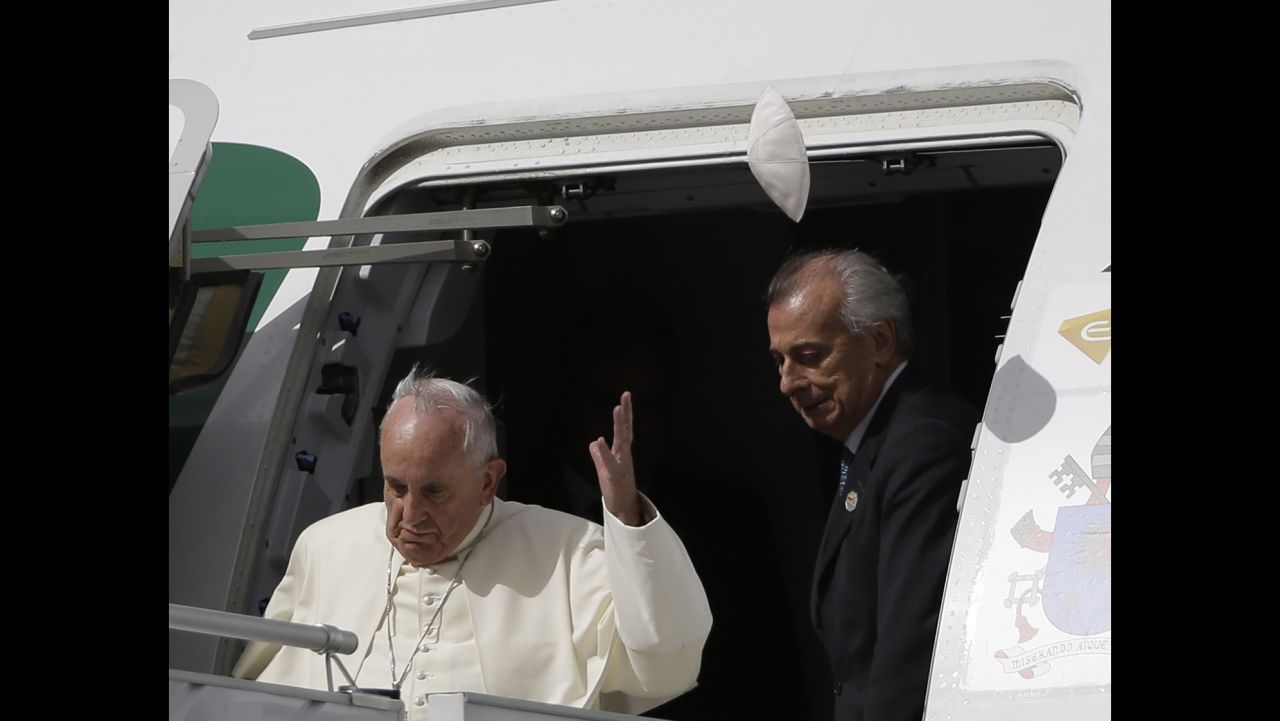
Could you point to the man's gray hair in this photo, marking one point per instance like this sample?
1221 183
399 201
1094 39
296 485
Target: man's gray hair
870 292
479 430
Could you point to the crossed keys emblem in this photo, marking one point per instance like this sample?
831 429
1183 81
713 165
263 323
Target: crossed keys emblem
1083 531
1070 477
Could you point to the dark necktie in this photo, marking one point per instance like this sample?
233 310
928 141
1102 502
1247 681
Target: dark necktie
846 462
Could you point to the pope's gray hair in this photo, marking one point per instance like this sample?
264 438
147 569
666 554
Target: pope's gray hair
430 394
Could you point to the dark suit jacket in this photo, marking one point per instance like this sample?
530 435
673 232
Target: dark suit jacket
878 582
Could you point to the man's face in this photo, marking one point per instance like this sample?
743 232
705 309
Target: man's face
434 493
831 376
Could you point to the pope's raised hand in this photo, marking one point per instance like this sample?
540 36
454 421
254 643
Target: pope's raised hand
614 467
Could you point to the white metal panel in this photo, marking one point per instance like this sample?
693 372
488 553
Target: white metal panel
1064 280
202 697
176 120
354 83
188 151
449 158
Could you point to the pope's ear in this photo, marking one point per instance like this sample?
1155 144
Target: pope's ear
494 470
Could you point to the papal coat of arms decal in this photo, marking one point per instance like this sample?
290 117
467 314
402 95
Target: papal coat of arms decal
1073 588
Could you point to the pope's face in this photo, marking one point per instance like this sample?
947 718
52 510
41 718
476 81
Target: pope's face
434 493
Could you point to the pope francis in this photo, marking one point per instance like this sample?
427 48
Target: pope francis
452 589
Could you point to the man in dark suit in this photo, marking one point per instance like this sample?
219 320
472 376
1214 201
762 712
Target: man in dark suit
839 331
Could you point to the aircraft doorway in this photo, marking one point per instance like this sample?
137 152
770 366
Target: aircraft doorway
656 285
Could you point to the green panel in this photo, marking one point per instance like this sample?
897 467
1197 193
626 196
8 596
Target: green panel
244 185
249 185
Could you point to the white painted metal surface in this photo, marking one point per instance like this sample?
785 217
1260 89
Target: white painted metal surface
193 113
297 94
453 150
204 697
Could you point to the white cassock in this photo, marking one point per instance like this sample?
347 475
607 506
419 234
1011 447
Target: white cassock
548 607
